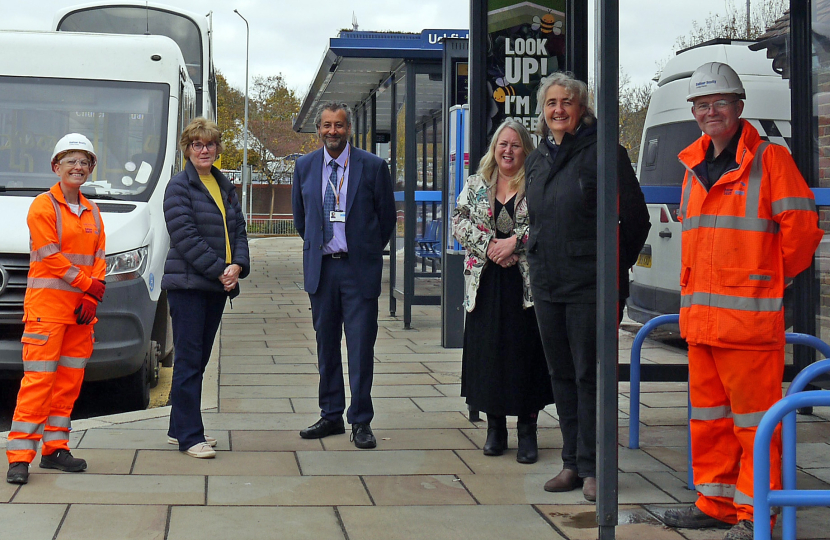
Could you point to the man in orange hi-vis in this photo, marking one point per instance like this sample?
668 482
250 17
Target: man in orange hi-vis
749 227
65 284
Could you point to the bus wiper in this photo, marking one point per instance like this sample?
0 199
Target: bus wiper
101 196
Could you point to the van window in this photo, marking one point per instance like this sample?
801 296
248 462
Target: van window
660 164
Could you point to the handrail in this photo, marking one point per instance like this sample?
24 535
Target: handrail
788 437
764 498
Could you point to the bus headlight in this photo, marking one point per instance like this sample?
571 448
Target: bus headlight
127 265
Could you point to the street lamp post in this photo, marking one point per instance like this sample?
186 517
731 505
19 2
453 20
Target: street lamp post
245 175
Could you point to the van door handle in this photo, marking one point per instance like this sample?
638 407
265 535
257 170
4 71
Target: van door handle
665 234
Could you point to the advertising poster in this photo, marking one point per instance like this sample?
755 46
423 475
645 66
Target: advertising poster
526 41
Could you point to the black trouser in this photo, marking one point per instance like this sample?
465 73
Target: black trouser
569 333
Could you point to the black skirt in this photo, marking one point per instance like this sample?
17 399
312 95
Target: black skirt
503 370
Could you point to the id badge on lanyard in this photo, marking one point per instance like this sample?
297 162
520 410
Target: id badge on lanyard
337 215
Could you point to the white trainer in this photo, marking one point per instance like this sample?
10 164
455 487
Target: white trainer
201 450
208 439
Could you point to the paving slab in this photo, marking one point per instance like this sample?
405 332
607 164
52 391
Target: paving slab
550 462
254 405
114 522
672 484
99 461
673 457
273 368
272 392
225 463
252 523
82 488
638 461
420 420
445 523
286 491
417 490
132 439
272 441
30 521
386 405
441 404
580 523
381 462
408 439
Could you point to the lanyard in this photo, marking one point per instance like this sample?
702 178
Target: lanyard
340 185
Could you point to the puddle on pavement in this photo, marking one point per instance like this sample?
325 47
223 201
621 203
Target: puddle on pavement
588 520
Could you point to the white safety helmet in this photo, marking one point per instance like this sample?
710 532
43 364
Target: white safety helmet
715 78
74 142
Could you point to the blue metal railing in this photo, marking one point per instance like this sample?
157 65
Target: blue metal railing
797 385
789 497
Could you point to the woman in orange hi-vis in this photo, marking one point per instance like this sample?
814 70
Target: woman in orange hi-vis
65 284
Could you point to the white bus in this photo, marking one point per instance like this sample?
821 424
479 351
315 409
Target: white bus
131 96
193 34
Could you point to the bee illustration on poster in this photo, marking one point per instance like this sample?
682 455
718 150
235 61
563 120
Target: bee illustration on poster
525 43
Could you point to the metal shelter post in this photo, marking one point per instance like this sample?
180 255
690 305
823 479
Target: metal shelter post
607 73
805 285
576 54
478 92
410 179
393 170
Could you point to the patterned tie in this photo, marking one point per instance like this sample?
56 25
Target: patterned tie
328 204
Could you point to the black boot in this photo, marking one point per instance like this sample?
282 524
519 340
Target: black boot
528 447
496 442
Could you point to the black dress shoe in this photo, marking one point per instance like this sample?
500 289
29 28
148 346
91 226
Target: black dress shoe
363 437
323 428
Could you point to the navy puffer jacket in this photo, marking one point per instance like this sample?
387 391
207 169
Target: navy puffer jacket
197 236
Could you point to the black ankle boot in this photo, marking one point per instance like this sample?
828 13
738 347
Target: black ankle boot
528 447
496 442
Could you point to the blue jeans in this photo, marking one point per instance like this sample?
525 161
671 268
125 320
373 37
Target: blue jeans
196 316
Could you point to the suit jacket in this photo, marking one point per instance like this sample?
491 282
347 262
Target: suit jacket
370 216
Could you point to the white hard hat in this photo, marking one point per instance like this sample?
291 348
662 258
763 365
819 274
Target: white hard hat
74 142
715 78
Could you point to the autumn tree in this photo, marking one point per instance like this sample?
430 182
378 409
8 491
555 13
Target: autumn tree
633 102
732 23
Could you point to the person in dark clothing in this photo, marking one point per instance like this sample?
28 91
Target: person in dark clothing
208 255
562 254
503 370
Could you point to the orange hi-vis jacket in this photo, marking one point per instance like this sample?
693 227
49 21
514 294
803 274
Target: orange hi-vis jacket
743 239
67 253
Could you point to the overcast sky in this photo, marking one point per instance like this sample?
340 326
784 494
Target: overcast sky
290 36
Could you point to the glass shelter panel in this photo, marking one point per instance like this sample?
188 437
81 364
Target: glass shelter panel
821 155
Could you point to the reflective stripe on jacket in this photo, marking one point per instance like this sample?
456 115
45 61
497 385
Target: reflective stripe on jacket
67 252
754 229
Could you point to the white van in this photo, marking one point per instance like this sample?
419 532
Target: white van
131 96
669 128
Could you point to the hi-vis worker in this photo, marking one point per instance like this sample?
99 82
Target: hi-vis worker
65 284
749 227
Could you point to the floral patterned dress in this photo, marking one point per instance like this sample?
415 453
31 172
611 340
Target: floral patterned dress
504 371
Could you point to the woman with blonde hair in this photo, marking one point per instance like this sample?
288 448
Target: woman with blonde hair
208 255
503 367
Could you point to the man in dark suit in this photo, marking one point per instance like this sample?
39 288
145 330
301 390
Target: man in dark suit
344 210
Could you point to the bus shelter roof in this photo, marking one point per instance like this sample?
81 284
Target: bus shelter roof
358 64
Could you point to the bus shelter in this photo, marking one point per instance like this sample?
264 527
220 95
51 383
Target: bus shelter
393 83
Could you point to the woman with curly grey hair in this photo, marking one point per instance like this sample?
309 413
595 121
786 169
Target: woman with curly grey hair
562 254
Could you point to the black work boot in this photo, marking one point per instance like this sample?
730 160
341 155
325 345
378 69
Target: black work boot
62 460
496 442
528 446
18 473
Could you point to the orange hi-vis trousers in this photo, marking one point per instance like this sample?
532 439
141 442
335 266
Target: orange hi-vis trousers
730 390
54 357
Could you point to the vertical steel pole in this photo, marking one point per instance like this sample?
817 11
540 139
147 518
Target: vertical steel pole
806 293
246 177
478 82
393 170
607 73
